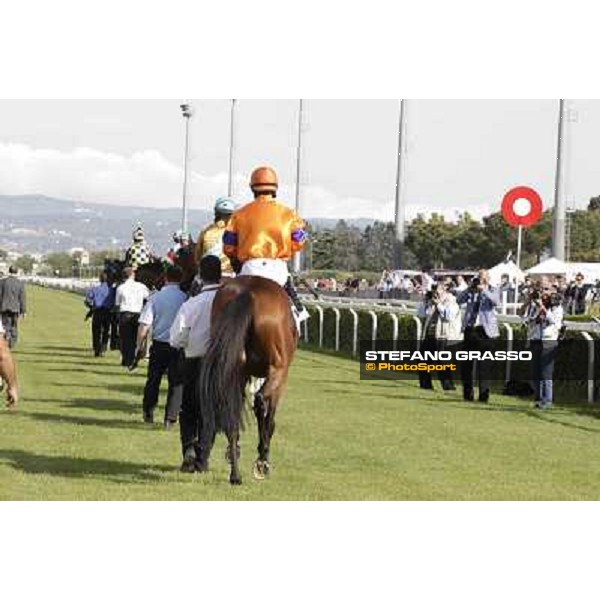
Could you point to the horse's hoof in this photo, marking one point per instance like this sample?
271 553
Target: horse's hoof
261 470
235 480
201 467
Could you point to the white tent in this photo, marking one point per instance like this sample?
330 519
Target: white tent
590 271
551 266
509 268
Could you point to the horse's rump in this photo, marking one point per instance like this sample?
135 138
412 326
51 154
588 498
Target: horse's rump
271 335
252 331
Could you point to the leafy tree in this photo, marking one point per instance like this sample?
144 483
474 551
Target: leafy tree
585 236
594 204
25 263
377 246
430 240
467 242
59 263
322 247
346 247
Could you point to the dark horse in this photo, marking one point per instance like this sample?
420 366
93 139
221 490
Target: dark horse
253 335
152 274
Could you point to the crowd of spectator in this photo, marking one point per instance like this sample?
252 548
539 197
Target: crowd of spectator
578 296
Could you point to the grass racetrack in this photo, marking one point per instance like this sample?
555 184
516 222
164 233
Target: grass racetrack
77 434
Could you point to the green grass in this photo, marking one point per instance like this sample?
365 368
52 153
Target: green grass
78 435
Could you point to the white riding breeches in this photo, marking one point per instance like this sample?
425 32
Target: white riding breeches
270 268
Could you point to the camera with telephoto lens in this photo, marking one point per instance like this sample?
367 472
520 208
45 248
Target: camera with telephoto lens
556 300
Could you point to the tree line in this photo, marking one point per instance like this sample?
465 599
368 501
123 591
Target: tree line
430 242
464 244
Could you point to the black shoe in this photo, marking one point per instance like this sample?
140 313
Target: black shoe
468 397
484 397
148 418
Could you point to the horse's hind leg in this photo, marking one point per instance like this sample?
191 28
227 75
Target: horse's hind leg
233 438
265 407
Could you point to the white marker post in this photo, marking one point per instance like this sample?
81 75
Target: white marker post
521 207
519 240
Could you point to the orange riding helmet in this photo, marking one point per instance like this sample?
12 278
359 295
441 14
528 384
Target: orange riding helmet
264 179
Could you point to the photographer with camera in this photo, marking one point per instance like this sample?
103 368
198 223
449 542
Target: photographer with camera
441 328
543 314
480 327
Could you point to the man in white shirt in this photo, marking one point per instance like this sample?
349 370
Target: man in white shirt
129 300
191 332
159 313
428 281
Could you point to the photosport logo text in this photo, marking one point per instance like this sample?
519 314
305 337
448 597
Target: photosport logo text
384 360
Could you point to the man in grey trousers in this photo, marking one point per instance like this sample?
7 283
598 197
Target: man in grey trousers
12 305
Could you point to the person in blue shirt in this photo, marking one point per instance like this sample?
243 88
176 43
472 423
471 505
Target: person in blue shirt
158 315
101 300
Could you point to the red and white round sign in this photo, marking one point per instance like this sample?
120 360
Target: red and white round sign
522 206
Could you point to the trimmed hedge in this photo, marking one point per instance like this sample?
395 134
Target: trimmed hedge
569 354
406 328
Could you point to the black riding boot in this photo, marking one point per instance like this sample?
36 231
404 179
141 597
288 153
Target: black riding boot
293 294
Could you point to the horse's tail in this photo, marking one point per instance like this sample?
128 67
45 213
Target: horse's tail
222 379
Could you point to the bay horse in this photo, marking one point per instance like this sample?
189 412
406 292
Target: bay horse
253 335
8 374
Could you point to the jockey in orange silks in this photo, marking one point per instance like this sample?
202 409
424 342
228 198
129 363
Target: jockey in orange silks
264 235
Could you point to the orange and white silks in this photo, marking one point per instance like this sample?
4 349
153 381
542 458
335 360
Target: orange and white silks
264 229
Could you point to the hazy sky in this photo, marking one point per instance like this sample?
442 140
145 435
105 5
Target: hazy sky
461 154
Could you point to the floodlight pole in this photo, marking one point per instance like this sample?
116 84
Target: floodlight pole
400 214
297 264
560 194
187 112
232 147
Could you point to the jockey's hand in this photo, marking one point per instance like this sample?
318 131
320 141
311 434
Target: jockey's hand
139 355
236 265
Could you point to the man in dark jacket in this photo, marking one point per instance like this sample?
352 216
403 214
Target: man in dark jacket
101 301
12 305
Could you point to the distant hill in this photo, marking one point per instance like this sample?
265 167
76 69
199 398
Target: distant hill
40 224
